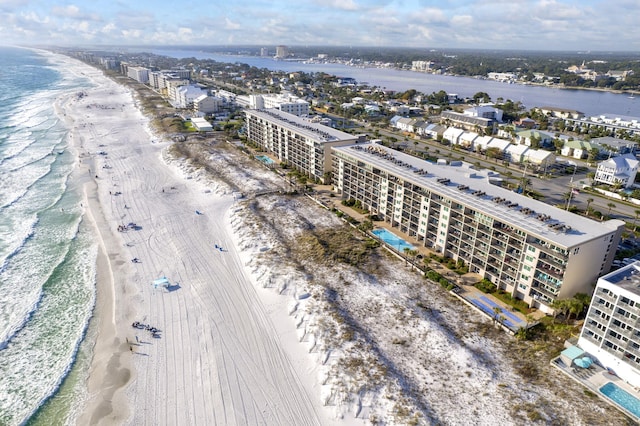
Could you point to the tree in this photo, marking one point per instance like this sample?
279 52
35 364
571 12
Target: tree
611 206
560 306
593 155
589 201
481 97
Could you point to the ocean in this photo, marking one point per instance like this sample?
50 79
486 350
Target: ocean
47 254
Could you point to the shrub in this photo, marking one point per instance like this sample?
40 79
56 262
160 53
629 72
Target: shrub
486 286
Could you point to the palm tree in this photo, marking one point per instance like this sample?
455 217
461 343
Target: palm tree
637 212
611 206
589 201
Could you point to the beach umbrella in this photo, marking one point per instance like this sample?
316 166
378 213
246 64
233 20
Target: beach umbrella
161 282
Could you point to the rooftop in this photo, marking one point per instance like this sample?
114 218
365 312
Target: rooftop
314 131
627 277
474 188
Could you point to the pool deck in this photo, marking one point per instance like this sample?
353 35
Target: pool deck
593 378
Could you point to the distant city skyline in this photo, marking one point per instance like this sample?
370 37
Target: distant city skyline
595 25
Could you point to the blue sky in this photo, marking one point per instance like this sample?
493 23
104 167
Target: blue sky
494 24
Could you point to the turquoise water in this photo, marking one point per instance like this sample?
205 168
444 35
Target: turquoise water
266 160
47 254
622 398
392 239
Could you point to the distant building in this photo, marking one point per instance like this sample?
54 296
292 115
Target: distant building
610 331
283 101
467 122
616 145
140 74
526 122
560 112
422 66
186 95
282 52
201 124
502 76
205 104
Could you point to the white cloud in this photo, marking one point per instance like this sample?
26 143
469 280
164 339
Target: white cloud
230 25
461 20
339 4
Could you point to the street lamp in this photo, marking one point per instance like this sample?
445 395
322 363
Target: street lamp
575 167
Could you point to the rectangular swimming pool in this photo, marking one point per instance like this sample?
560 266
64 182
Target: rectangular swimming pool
266 160
392 239
622 398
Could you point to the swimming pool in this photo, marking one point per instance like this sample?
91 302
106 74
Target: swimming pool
622 398
266 160
392 239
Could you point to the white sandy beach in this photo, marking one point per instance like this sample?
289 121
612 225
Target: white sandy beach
220 358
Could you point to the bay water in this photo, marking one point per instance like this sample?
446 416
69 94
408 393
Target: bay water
590 102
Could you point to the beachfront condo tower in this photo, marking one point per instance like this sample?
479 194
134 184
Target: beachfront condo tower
611 331
536 252
296 141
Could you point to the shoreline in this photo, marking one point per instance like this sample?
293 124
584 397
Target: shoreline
105 382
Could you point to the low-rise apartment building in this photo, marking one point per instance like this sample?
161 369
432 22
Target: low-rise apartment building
535 252
611 330
300 143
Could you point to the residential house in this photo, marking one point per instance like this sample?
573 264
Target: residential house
516 153
527 137
540 157
433 131
578 149
452 134
618 170
466 139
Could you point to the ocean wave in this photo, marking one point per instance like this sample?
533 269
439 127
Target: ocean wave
41 355
26 271
19 183
21 230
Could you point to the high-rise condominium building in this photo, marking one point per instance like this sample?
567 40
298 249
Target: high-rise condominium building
536 252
